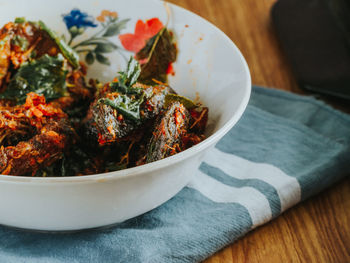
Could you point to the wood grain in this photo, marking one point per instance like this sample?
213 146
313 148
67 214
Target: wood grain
317 230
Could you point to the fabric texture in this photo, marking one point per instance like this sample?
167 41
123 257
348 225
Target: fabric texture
284 149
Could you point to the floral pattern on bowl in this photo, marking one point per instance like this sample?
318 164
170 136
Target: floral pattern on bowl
107 25
99 44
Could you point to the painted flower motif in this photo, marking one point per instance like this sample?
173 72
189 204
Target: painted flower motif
78 19
143 32
106 14
98 44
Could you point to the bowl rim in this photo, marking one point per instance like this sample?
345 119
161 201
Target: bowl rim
171 160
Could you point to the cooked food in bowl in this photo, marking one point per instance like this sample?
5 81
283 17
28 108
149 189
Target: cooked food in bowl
53 122
83 127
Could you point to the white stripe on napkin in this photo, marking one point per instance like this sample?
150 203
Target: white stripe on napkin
255 202
287 187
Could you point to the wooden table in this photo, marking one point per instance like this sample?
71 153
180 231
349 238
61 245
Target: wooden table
317 230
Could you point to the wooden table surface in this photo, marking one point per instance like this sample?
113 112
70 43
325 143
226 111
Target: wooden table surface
317 230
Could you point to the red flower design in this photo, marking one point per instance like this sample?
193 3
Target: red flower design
143 31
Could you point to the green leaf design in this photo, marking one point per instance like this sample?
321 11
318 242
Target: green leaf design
102 59
115 28
66 50
93 41
170 98
159 52
90 58
105 47
98 44
46 76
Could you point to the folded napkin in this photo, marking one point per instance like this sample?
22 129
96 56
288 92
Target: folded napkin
284 149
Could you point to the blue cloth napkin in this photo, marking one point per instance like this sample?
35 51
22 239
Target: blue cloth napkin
284 149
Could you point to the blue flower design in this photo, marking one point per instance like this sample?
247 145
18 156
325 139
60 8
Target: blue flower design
95 47
78 19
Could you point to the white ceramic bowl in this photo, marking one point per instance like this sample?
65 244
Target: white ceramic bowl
208 64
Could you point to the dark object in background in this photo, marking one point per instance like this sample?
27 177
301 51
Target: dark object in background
315 35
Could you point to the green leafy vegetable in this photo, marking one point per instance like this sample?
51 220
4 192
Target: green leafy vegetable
128 78
20 41
46 76
130 108
132 73
67 51
127 105
170 98
20 20
158 53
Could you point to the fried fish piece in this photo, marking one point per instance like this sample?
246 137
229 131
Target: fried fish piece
168 133
21 122
105 125
40 151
